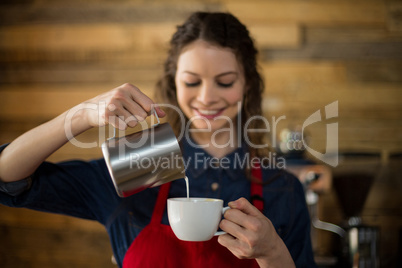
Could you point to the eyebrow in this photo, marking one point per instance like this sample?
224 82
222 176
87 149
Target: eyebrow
219 75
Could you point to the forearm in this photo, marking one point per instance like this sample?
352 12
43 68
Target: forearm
119 107
23 156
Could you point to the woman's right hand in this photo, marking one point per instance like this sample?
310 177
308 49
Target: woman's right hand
122 107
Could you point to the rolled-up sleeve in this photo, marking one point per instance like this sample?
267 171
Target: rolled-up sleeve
14 188
75 188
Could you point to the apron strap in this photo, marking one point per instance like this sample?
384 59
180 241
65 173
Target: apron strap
256 188
160 203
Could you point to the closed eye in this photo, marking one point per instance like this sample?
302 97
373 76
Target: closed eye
225 85
195 84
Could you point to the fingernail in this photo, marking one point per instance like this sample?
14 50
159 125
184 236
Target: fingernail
162 112
111 107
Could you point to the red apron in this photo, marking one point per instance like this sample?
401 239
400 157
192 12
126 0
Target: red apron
157 246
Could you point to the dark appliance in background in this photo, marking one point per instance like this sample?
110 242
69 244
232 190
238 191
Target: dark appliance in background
358 243
359 246
292 147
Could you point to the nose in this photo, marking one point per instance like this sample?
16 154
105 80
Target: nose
207 94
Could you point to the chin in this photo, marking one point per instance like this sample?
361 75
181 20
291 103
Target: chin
213 126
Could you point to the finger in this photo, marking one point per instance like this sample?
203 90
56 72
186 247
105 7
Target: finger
119 123
236 246
136 110
131 121
233 229
119 117
143 100
123 99
227 240
247 222
117 110
245 206
159 111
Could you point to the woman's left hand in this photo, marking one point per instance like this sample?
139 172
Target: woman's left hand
251 235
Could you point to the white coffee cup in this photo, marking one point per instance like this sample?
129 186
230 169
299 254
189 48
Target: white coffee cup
195 219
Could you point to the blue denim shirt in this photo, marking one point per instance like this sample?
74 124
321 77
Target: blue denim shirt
84 189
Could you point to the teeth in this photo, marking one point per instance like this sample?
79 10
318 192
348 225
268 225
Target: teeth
208 112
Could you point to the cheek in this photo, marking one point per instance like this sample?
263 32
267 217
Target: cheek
182 98
234 97
179 92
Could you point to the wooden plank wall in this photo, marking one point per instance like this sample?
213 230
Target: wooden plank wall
55 54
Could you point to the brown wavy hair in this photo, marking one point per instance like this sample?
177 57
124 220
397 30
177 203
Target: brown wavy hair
224 30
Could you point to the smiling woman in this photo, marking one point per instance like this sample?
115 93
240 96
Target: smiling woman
219 61
211 76
56 54
210 86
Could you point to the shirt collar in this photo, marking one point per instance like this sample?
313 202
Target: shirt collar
198 161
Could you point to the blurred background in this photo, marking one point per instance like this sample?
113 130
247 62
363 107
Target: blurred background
55 54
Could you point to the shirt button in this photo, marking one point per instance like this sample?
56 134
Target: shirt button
214 186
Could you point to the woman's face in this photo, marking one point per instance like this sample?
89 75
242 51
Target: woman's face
210 85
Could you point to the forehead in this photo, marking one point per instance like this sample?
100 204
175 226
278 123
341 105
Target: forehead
203 57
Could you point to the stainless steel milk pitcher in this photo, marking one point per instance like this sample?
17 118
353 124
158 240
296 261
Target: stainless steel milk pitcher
147 158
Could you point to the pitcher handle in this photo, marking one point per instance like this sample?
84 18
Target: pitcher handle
156 115
153 111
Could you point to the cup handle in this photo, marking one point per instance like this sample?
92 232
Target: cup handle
223 212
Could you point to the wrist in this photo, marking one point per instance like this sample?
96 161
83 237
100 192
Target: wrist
278 256
76 120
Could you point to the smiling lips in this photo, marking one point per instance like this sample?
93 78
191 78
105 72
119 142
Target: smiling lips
209 114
